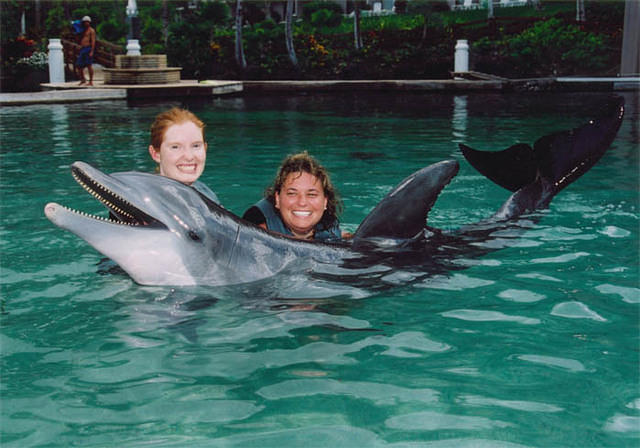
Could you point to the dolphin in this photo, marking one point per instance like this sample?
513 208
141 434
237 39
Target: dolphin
162 232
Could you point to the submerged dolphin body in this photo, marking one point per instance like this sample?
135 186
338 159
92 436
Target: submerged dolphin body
165 233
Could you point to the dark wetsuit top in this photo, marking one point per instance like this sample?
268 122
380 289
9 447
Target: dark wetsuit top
264 212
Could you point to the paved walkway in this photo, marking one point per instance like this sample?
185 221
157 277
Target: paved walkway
61 96
70 92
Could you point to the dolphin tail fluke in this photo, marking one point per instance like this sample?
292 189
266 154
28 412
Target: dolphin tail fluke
565 156
558 158
512 168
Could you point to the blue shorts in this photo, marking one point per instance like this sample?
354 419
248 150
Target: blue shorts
84 59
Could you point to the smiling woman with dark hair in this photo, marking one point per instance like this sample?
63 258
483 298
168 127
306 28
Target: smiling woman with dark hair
301 202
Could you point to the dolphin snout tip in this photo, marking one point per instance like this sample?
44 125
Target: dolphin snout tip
50 209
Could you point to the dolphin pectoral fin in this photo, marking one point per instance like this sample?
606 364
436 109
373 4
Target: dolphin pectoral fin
565 156
512 168
403 212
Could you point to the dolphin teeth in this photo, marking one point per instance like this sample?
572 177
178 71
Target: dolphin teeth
92 190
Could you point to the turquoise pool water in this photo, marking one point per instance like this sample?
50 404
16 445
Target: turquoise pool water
534 345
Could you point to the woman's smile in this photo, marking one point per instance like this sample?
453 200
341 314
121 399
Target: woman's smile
182 154
301 202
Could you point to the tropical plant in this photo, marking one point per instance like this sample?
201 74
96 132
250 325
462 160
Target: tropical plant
322 14
38 60
548 47
430 11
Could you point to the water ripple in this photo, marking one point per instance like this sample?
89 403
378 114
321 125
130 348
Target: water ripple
528 406
614 232
565 258
435 421
380 393
623 423
559 233
489 316
456 282
537 276
552 361
576 310
234 363
310 436
462 443
521 295
629 295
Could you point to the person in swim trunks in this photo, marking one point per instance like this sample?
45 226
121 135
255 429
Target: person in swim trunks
85 56
301 203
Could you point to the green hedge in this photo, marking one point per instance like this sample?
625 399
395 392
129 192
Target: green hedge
520 42
547 48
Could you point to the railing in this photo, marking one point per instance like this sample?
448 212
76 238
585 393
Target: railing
105 53
478 4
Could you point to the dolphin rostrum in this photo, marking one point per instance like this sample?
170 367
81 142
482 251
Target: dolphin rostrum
162 232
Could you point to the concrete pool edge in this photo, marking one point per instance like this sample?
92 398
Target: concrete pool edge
61 96
71 92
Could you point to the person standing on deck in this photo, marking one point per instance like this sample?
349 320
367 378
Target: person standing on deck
87 50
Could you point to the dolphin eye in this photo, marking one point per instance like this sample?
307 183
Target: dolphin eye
193 235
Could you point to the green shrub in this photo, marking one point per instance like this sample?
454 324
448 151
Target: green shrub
55 22
549 47
188 47
114 31
153 49
312 7
37 61
325 17
217 13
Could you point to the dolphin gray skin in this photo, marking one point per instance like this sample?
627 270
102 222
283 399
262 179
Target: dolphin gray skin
165 233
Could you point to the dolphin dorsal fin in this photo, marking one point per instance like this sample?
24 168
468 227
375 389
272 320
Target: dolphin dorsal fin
403 212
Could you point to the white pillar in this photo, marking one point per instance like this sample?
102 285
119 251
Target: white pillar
132 8
461 58
56 61
133 47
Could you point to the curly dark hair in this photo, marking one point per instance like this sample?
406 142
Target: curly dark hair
303 162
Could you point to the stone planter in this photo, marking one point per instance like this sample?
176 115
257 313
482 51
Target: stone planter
24 80
144 69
